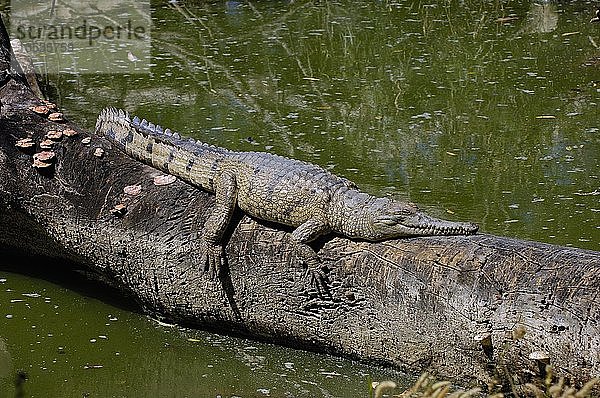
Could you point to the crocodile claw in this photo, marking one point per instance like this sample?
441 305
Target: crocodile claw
317 277
314 269
319 281
213 259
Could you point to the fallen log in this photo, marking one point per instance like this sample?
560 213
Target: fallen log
474 309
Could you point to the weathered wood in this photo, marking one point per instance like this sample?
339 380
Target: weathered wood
417 304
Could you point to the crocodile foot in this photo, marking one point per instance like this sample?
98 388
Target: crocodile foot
314 269
213 259
318 279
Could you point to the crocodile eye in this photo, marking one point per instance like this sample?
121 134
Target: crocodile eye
408 212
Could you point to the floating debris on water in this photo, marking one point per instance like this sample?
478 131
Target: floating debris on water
93 366
506 19
164 179
545 117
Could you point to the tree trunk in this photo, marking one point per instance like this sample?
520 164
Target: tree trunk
453 306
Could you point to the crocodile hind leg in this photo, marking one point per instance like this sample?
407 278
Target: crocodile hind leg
305 233
213 257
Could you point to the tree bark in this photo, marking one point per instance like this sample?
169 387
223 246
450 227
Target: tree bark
449 305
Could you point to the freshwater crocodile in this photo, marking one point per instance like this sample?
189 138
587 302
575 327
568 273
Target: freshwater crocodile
270 187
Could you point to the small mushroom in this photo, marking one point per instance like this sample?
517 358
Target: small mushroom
44 159
98 152
25 143
382 386
54 135
46 144
119 210
49 105
44 156
132 189
164 179
540 356
86 140
38 164
70 132
542 359
485 339
56 117
40 109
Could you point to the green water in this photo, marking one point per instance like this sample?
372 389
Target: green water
71 344
476 110
473 119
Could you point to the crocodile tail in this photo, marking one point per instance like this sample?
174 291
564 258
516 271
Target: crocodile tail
115 124
192 161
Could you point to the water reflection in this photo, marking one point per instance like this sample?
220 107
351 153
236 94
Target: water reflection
542 17
71 344
448 105
5 360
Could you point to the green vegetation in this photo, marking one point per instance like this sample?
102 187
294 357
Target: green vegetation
428 387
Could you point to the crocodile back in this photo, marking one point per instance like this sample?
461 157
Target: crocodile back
284 190
269 187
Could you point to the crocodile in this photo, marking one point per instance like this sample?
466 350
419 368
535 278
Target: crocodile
270 187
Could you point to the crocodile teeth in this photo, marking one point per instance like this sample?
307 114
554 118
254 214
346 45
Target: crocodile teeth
144 123
151 126
121 114
136 121
168 131
176 135
158 129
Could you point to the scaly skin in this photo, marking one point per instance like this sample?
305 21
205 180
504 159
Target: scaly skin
272 188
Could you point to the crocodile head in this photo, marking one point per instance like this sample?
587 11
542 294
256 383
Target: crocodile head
392 219
376 219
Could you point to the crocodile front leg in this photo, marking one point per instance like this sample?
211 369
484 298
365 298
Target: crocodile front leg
305 233
213 258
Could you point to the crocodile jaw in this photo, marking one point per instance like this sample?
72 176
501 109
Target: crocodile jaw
421 224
